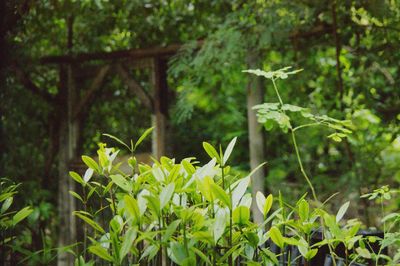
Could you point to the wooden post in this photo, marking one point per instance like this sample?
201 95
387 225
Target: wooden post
160 96
69 135
256 136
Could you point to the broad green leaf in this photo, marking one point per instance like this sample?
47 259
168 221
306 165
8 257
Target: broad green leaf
88 174
153 204
120 181
22 214
311 254
7 203
89 221
132 207
303 210
342 211
170 230
220 194
276 236
264 204
211 151
100 252
228 150
166 194
202 256
91 163
76 177
129 237
241 215
363 252
219 224
142 137
117 140
178 252
239 190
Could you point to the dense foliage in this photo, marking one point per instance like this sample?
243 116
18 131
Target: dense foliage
348 50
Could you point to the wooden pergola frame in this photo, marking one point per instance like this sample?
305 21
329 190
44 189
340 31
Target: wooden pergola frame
69 108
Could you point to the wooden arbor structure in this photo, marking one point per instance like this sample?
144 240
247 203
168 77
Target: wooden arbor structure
70 103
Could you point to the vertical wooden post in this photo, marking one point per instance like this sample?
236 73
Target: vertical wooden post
69 135
256 136
160 96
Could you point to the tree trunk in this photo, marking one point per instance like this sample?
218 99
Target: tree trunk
256 136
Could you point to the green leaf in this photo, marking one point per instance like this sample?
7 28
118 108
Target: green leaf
229 150
178 252
276 236
241 215
211 151
201 255
22 214
129 237
170 230
132 207
142 137
166 194
76 195
120 181
7 203
363 252
76 177
264 204
117 140
239 190
303 210
91 163
342 211
219 224
100 252
89 221
220 194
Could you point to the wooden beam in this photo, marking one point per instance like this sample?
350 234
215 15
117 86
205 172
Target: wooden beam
122 54
160 92
94 86
28 84
135 87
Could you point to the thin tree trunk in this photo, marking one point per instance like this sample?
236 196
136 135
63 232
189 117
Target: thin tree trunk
256 136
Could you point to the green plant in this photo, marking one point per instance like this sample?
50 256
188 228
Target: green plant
9 218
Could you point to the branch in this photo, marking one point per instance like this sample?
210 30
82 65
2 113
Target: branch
94 86
28 84
135 87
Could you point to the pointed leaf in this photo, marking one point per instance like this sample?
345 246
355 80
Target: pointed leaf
129 237
100 252
228 150
276 236
142 137
342 211
22 214
91 163
220 194
211 151
117 140
166 194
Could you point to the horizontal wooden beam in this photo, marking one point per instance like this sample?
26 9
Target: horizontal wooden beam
115 55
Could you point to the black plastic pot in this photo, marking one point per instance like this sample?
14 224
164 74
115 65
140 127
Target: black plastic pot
339 262
323 256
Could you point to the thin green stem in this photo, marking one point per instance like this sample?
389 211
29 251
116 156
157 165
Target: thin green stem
277 91
301 166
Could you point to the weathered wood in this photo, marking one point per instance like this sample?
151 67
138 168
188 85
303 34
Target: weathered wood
28 84
94 86
69 135
256 136
122 54
159 117
135 87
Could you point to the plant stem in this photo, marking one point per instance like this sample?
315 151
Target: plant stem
301 166
295 146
